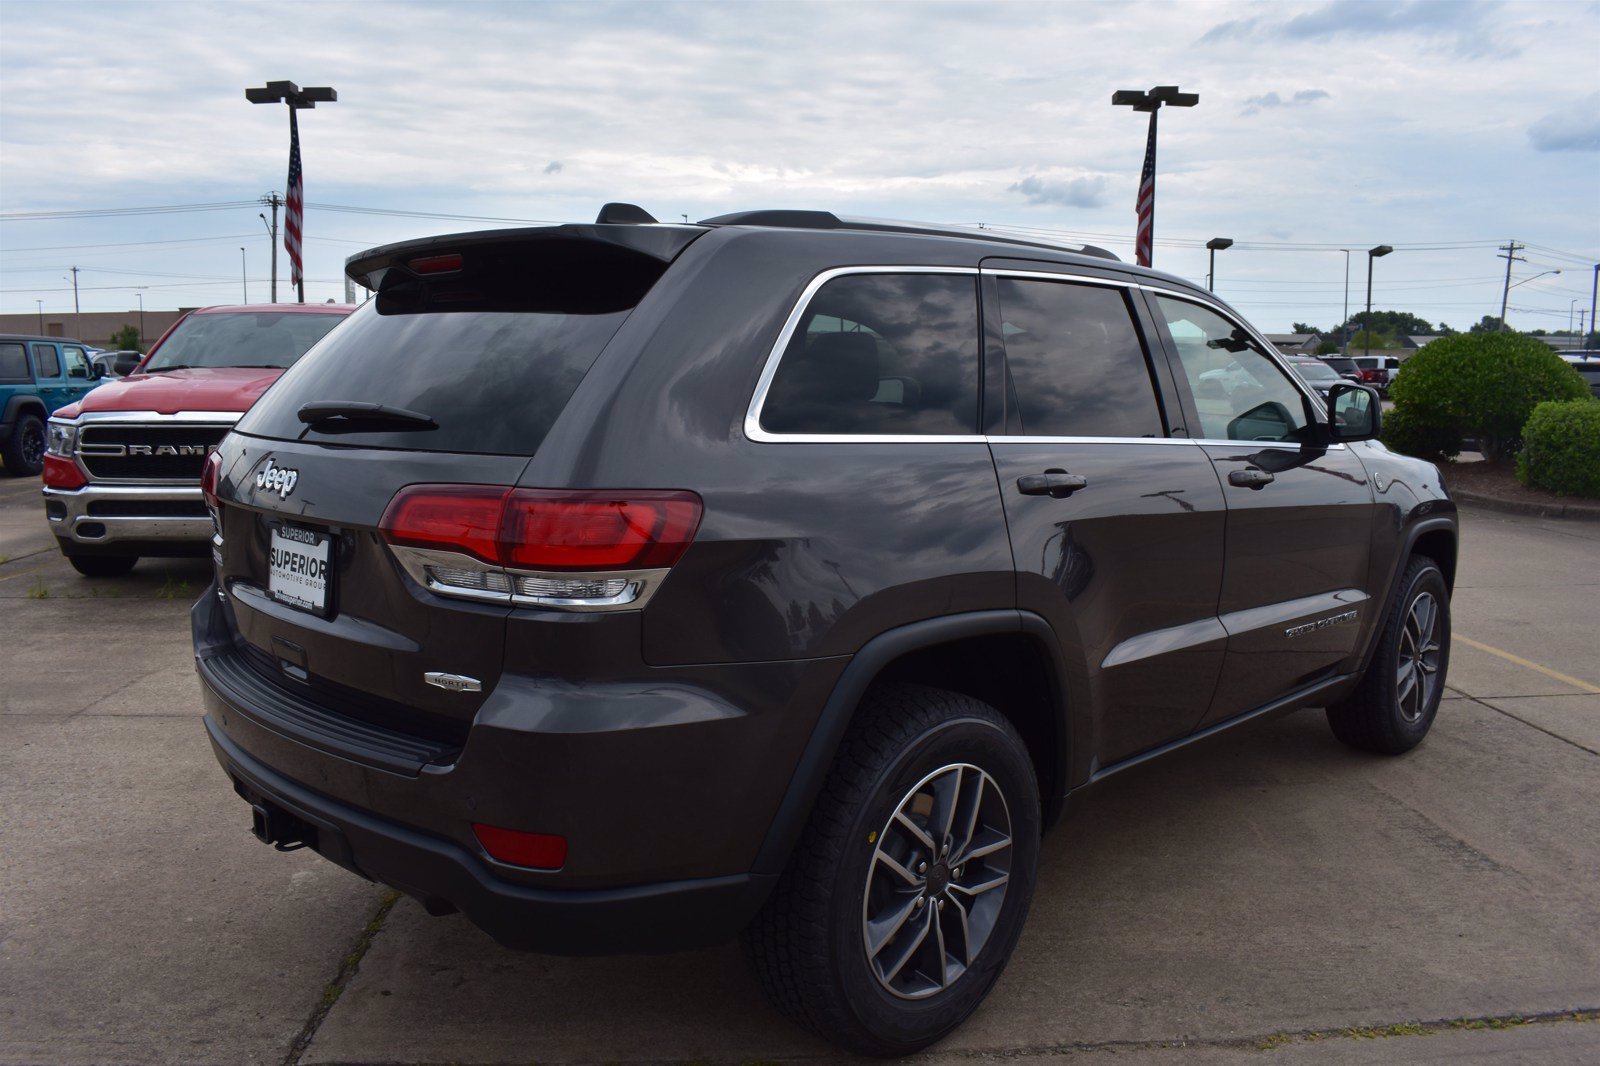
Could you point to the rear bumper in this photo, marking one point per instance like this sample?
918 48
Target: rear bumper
671 916
120 515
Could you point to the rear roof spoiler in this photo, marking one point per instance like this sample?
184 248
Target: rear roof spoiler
661 243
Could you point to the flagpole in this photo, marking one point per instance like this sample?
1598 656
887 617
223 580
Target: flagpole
1144 239
287 92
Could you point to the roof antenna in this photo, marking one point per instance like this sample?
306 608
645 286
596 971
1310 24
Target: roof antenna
628 214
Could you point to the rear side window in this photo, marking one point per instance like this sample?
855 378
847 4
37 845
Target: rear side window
14 365
46 363
1077 366
242 338
881 354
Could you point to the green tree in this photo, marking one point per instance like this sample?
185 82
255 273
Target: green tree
1327 348
126 339
1390 323
1489 324
1301 327
1482 385
1358 341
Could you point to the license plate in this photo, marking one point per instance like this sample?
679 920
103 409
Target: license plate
298 568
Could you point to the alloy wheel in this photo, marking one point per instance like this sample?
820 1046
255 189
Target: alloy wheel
937 881
1417 669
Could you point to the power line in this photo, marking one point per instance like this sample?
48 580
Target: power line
116 212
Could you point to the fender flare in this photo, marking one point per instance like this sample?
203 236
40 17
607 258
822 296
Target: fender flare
20 404
1413 533
817 759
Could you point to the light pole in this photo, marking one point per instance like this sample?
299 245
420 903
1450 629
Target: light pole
41 316
140 295
1215 245
1507 298
1594 289
272 237
1366 319
1344 323
294 194
244 277
1144 239
1572 312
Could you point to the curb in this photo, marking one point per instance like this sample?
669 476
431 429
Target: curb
1583 512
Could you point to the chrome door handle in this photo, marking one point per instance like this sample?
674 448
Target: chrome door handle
1250 479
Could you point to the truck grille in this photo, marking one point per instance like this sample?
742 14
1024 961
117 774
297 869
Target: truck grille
159 452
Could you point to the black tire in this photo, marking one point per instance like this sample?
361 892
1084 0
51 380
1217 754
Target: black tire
102 565
23 451
809 944
1383 714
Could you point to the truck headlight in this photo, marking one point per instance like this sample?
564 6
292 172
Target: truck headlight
63 439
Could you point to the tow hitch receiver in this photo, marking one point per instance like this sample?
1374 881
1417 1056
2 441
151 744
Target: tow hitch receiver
276 826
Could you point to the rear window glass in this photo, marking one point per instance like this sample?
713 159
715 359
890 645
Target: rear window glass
881 354
14 365
493 381
246 338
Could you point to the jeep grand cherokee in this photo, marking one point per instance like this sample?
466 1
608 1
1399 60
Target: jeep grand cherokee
630 587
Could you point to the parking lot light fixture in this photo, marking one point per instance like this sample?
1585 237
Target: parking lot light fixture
297 98
1215 245
1145 202
1366 319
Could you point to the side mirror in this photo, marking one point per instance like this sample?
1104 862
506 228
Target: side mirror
95 373
1354 413
125 362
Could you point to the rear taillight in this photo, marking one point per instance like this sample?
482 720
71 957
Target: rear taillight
208 478
580 550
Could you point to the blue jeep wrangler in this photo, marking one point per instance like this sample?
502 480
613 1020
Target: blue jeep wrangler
38 375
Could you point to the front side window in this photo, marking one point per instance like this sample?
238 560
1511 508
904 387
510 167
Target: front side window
881 354
77 361
46 363
1077 365
1239 392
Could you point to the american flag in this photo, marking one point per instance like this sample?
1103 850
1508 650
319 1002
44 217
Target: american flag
295 203
1144 236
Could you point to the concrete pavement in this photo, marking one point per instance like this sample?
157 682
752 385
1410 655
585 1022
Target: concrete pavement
1269 896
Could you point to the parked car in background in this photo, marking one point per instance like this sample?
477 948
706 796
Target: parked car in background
630 587
1587 364
116 364
1344 366
1376 371
122 465
1316 373
38 376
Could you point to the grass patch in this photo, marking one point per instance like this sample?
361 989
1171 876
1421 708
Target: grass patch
171 590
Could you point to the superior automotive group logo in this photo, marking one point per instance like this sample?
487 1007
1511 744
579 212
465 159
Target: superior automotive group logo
279 479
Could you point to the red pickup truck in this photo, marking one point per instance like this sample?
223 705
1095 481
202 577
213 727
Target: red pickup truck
122 465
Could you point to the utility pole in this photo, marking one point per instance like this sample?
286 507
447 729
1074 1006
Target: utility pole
41 316
244 276
1594 323
274 201
140 295
1344 323
1511 249
1144 239
75 327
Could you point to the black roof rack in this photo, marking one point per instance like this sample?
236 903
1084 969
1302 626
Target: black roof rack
828 220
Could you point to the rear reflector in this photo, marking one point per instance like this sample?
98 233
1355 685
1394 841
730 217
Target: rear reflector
546 530
61 473
539 851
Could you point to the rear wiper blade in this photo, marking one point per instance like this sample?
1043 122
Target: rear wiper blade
353 411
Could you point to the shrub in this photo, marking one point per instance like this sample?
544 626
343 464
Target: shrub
1405 433
1561 448
1482 385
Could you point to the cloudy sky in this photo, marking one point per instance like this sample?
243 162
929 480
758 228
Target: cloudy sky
1441 128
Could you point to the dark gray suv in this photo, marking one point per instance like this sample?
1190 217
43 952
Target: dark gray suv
630 587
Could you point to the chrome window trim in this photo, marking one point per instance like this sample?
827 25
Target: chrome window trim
769 371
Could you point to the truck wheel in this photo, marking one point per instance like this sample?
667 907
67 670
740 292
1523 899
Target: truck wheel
1395 703
102 565
907 893
24 451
